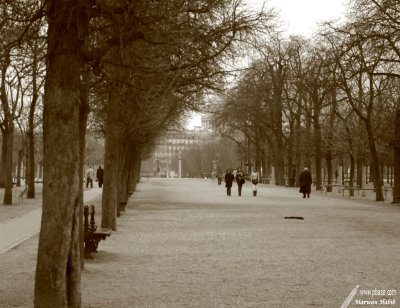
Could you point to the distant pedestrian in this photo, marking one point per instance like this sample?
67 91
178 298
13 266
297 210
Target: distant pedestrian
89 177
240 180
219 176
100 176
305 183
336 175
254 177
229 177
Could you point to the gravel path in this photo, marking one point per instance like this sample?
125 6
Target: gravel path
184 243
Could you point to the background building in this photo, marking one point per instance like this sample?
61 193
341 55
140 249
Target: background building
194 152
164 161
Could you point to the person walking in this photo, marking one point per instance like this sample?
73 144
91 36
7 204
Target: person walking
228 181
305 183
240 180
219 176
254 177
100 176
89 177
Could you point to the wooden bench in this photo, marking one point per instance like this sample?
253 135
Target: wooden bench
355 188
384 188
324 187
122 205
92 235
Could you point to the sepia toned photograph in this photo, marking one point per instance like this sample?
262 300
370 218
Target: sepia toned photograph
199 153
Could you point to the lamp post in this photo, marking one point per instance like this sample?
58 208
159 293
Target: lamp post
180 165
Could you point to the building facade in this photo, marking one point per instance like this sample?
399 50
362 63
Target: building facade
165 159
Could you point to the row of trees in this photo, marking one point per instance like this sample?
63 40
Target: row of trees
21 70
125 69
333 97
198 160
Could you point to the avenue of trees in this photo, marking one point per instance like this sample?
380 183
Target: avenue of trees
126 70
332 98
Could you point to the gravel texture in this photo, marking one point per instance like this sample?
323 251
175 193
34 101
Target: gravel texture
184 243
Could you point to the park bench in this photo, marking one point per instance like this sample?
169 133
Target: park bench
385 189
122 205
355 188
92 235
324 187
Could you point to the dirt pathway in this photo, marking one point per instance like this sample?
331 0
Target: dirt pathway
184 243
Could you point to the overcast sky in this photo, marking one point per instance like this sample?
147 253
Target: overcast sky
302 16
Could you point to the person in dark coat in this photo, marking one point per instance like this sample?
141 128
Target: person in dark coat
305 183
219 176
229 177
240 180
100 175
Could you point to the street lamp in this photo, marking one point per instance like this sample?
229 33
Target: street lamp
180 165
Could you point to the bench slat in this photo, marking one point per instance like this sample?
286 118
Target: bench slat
106 232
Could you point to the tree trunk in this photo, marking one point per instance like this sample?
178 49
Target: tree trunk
112 146
30 179
279 154
138 165
360 162
135 170
388 174
9 166
352 168
330 170
3 157
375 164
371 168
58 269
298 148
258 156
83 115
279 162
125 162
290 172
317 141
396 154
30 133
318 155
263 163
20 158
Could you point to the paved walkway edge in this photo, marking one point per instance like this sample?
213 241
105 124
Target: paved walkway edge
20 229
